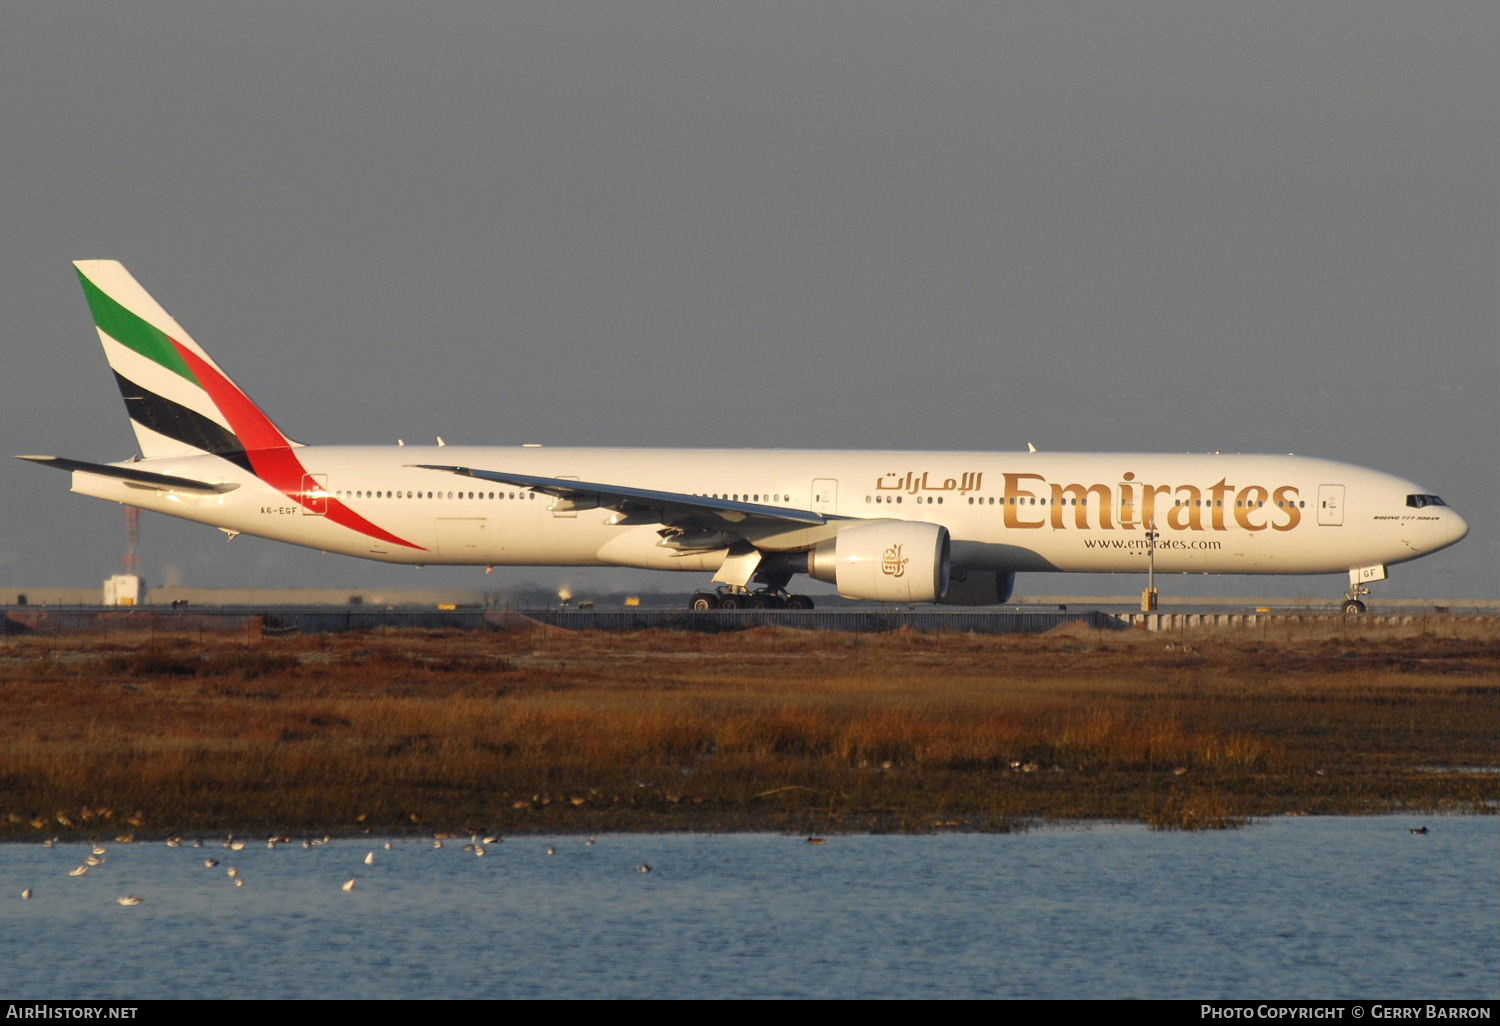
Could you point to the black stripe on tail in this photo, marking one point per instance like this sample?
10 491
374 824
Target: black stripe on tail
181 424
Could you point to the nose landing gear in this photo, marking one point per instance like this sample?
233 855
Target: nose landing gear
1359 587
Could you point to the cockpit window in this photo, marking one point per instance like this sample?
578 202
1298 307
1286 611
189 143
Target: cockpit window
1419 501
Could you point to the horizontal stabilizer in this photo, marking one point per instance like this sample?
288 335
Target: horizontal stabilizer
145 478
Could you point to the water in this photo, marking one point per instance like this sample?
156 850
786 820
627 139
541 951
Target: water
1315 907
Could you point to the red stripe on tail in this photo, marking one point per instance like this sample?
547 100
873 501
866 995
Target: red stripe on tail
271 452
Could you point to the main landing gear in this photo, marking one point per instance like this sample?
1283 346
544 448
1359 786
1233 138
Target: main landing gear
731 598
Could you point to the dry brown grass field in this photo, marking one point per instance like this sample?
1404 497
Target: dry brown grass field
772 729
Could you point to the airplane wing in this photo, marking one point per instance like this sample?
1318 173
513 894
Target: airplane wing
139 478
674 508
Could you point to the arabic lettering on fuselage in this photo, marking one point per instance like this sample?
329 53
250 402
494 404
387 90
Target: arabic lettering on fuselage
911 483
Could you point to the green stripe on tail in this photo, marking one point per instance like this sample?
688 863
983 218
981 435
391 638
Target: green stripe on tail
129 330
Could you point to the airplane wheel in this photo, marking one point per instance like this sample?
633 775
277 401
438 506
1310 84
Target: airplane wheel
799 602
1353 607
732 602
703 602
764 602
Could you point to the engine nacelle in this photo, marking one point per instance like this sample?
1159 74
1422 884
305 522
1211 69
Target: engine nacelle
979 587
885 561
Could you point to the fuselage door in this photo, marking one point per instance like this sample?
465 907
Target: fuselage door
1127 508
825 495
463 537
1331 505
314 495
568 508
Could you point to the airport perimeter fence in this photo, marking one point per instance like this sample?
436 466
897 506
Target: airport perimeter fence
263 621
272 622
253 621
858 621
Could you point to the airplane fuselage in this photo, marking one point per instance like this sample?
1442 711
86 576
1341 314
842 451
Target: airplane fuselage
1087 512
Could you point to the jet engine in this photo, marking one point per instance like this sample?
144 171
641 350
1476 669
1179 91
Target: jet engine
979 587
885 561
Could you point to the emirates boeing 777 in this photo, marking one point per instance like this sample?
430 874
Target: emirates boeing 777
949 527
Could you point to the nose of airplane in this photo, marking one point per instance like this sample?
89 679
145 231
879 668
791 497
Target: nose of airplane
1454 528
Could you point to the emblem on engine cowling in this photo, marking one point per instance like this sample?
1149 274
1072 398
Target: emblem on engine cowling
892 563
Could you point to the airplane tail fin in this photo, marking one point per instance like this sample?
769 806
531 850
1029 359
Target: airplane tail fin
180 402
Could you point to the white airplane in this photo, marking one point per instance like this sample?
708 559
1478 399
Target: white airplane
949 527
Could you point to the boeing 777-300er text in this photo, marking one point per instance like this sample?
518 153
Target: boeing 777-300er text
950 527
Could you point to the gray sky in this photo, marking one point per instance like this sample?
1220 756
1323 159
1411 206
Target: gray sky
1169 225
